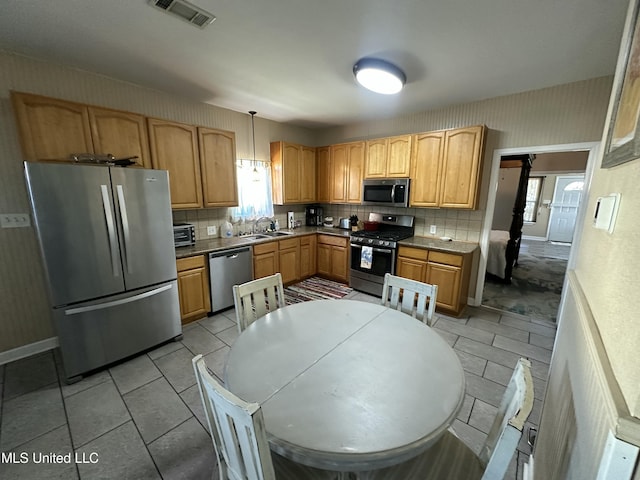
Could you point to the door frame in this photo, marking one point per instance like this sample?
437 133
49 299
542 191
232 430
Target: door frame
593 149
551 214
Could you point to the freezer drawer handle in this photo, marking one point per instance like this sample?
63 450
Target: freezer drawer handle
113 241
125 226
115 303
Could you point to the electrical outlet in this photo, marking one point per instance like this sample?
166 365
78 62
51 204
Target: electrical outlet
432 230
14 220
212 230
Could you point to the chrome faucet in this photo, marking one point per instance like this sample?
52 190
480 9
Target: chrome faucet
255 224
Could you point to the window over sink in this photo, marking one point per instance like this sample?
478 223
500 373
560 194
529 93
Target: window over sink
254 190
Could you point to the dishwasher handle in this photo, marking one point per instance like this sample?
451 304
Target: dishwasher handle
231 254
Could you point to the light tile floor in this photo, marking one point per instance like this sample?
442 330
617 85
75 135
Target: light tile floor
142 419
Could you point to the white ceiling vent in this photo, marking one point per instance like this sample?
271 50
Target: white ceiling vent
185 10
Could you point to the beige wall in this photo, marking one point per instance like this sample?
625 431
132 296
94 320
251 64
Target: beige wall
565 114
607 269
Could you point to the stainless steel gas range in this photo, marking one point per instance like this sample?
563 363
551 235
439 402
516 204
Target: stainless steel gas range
373 252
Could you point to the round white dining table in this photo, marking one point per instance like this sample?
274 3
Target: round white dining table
346 385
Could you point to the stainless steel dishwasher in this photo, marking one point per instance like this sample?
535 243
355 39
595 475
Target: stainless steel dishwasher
226 269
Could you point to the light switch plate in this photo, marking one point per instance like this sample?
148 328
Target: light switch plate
14 220
606 212
212 230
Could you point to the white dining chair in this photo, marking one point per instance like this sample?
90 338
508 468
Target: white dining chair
257 298
451 459
414 298
239 436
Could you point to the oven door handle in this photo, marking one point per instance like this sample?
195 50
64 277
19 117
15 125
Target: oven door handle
379 250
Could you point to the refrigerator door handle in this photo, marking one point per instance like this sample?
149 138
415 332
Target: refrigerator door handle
113 241
114 303
125 226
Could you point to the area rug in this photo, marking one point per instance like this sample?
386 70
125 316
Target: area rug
315 288
535 289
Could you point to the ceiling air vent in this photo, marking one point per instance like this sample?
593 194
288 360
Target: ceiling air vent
185 10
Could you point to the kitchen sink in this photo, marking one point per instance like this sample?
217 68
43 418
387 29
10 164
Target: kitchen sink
255 236
278 234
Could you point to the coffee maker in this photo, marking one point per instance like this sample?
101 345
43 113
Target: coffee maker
313 215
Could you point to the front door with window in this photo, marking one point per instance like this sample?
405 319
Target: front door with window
564 208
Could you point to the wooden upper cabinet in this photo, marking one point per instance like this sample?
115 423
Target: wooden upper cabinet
121 134
217 151
461 166
308 175
293 172
399 156
446 167
347 170
355 172
339 171
174 147
376 158
426 169
388 157
323 174
51 129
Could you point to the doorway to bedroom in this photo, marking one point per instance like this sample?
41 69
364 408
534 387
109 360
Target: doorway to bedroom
539 221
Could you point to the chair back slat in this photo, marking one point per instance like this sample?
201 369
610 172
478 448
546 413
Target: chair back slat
237 428
414 298
506 430
256 298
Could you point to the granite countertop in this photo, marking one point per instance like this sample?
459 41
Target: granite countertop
435 243
218 244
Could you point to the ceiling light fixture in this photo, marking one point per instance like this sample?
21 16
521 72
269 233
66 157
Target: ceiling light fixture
379 76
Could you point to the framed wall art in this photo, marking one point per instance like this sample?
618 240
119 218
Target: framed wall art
623 137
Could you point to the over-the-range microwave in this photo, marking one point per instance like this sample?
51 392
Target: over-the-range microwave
392 192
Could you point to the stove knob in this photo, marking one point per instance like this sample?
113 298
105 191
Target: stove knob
386 244
370 240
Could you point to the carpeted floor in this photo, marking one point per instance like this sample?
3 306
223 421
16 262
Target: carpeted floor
535 289
315 288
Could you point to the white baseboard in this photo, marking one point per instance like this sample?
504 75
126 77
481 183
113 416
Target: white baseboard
531 237
28 350
527 471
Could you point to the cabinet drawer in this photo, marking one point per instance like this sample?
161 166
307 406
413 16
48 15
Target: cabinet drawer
411 252
268 247
289 243
331 240
306 240
189 263
446 258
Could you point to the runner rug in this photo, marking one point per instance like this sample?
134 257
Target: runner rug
315 288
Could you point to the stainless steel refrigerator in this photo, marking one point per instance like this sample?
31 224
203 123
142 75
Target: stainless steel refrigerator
106 239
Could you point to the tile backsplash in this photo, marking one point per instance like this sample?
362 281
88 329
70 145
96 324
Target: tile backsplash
463 225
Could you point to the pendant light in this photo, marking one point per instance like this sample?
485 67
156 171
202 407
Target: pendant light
379 76
256 175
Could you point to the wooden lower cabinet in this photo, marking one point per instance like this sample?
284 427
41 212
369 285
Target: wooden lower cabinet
308 249
450 271
289 258
333 257
265 259
193 288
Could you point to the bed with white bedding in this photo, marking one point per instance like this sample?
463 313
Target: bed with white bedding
498 262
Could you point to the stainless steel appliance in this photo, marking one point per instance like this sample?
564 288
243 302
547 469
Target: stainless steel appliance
106 244
184 234
313 215
373 252
389 192
226 269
